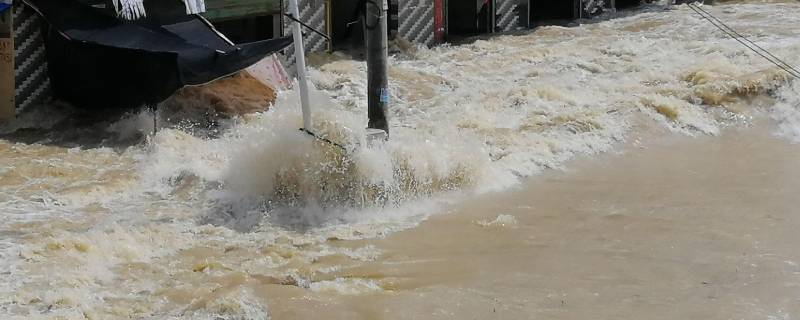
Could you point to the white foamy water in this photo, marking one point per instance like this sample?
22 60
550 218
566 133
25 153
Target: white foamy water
167 228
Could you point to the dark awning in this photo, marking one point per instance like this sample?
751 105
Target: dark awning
97 60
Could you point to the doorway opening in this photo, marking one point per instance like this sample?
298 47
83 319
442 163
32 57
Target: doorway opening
553 11
470 17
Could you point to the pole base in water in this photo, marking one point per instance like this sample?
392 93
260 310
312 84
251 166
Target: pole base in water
376 136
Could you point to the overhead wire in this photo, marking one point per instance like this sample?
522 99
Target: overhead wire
742 37
792 71
320 33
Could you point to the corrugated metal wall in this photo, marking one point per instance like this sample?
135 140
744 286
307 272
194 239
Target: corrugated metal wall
32 82
416 21
313 13
507 15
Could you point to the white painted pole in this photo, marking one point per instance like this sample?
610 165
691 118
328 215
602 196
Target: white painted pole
300 63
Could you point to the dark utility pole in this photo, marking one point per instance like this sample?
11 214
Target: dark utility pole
376 41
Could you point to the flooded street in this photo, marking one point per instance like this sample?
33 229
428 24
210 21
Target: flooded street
655 232
640 166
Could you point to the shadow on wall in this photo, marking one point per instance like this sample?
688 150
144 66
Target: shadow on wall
546 10
346 28
623 4
250 29
470 17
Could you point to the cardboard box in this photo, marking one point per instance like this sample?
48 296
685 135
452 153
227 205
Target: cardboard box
6 67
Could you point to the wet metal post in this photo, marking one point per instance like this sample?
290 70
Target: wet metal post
300 63
376 40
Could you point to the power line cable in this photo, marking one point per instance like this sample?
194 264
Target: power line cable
765 54
291 17
748 40
745 42
742 37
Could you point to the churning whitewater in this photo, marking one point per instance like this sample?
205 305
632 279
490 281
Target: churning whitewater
166 227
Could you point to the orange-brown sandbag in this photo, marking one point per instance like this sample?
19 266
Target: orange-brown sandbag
238 94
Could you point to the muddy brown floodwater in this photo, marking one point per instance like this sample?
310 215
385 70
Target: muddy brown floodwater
638 166
686 228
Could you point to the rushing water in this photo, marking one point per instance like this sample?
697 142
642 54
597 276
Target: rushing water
99 223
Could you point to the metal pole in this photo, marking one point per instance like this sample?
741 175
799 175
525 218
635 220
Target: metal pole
376 40
329 23
300 63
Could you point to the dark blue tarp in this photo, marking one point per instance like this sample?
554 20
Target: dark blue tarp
98 61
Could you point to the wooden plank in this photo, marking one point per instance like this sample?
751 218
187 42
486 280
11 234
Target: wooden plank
217 10
7 110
